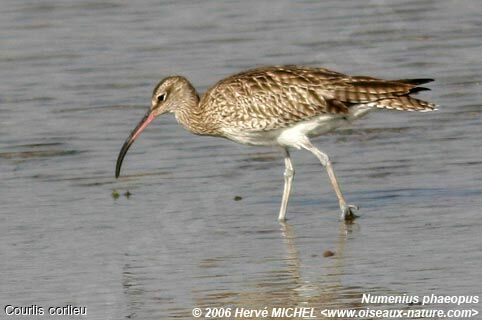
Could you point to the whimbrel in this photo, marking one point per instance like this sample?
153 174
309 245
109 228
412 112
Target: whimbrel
282 106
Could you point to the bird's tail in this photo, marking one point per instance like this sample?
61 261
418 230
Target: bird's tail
406 102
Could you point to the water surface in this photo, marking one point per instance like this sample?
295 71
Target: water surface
77 77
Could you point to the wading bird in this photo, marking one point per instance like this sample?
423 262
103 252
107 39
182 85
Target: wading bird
282 106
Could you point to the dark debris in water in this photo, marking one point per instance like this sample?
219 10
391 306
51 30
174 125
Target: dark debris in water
115 194
328 253
238 198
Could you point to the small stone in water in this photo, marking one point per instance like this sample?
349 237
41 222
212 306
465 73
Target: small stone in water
328 253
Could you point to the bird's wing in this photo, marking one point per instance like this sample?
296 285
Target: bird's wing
276 97
385 94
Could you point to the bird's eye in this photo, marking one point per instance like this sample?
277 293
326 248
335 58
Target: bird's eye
161 97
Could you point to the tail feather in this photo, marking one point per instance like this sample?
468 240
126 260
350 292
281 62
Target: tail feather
384 94
405 103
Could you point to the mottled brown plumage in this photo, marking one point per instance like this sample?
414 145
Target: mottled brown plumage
276 97
281 105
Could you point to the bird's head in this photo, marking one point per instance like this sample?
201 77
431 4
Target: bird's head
169 95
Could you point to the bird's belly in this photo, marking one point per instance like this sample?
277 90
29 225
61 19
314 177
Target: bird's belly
253 138
287 136
295 135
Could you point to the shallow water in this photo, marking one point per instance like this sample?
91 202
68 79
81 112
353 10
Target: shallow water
76 78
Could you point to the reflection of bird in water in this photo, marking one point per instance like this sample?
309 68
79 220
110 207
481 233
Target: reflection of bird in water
331 276
287 285
156 287
282 106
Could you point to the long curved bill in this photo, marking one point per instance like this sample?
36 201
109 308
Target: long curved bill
148 117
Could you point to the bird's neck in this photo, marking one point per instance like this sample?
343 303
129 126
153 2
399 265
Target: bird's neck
190 114
188 117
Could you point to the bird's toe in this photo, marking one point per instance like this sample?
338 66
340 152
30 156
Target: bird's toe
348 212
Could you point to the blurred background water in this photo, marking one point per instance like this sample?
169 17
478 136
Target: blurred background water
76 76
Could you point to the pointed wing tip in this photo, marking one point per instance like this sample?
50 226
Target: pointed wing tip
417 81
425 80
419 89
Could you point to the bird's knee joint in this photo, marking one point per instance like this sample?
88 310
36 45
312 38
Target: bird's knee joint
289 172
324 159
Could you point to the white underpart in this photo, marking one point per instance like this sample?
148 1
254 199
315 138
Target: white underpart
297 135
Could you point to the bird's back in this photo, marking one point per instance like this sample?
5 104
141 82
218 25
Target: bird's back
271 98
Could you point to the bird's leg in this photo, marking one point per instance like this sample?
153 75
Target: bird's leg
288 174
346 209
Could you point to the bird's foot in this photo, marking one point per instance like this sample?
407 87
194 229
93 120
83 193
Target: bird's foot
347 212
